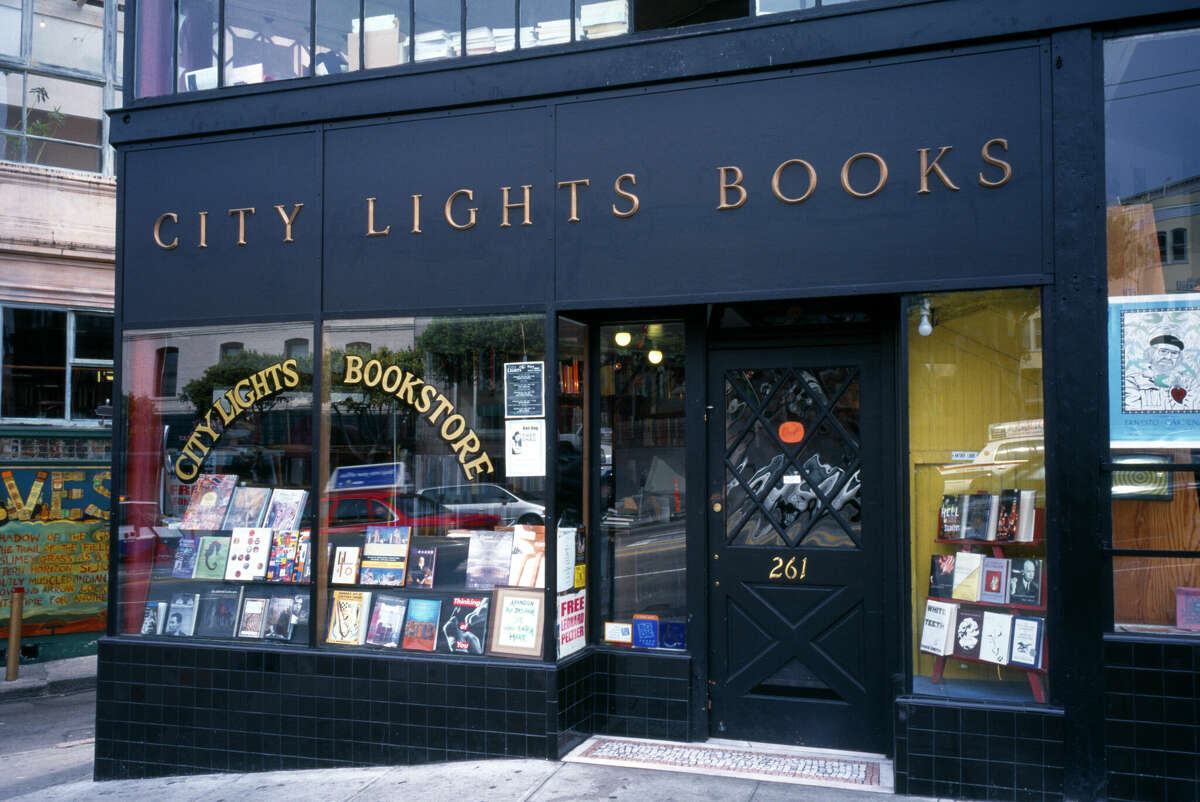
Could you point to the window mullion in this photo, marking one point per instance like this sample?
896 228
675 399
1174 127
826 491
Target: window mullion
70 361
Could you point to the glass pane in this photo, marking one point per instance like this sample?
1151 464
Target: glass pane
1153 203
91 392
153 48
597 20
34 383
93 336
120 55
775 6
337 37
428 484
68 34
215 539
10 28
437 27
1157 595
976 440
545 22
58 154
1155 509
265 41
61 109
197 64
643 492
387 40
12 90
491 27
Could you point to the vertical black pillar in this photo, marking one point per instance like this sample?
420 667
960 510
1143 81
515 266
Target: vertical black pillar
1076 439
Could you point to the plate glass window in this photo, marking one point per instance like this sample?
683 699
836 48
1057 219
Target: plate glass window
1152 179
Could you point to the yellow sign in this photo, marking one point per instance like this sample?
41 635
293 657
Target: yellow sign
580 576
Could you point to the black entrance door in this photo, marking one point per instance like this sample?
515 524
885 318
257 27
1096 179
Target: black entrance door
795 563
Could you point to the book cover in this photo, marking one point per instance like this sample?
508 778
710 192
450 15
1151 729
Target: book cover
995 637
463 625
154 618
300 608
422 567
247 507
673 634
248 552
387 621
1007 515
1025 584
283 555
968 630
301 570
420 624
489 558
280 622
977 512
348 617
941 576
993 513
387 543
218 612
285 509
527 565
937 632
949 524
185 558
995 580
254 616
181 617
968 571
1026 649
381 572
1027 516
645 631
345 565
210 499
212 555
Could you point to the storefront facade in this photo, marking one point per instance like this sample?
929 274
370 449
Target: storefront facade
645 386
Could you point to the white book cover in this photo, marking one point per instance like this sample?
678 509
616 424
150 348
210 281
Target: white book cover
248 553
1027 516
345 565
1026 642
937 633
968 579
997 633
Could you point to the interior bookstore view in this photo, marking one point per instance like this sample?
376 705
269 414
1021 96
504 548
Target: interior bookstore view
493 376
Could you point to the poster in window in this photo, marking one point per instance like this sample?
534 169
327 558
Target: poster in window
524 389
517 629
525 447
1154 371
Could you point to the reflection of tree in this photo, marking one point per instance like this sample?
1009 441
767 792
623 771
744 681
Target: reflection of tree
234 368
458 346
365 420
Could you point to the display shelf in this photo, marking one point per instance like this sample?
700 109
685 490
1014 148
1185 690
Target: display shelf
1034 675
1033 608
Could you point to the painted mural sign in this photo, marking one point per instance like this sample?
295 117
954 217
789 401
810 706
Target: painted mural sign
54 544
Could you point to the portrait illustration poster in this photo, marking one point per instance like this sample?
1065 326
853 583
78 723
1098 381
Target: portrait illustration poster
1154 371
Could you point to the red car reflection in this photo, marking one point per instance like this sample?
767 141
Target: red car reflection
354 511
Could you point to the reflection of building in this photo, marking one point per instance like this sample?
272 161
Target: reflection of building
59 68
1176 222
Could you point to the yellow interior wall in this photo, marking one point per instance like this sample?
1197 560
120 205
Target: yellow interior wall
981 365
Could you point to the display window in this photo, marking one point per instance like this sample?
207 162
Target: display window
978 495
215 535
643 493
433 488
1152 184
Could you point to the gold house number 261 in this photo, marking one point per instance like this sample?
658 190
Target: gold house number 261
788 570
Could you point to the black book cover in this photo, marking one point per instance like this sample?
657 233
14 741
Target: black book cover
1006 524
463 627
1025 584
968 633
978 510
218 612
941 576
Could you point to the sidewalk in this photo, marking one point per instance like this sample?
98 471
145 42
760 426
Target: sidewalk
52 676
486 781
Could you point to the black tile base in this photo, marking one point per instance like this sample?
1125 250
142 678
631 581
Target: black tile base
963 751
184 709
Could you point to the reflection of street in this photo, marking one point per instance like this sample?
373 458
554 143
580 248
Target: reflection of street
649 567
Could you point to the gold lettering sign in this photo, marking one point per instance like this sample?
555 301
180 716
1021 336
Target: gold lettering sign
205 435
426 400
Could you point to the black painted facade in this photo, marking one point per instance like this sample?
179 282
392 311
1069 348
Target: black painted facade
1122 719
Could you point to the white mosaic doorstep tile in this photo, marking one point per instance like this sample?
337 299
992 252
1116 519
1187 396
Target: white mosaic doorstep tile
744 760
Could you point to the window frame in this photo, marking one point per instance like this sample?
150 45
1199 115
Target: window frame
70 362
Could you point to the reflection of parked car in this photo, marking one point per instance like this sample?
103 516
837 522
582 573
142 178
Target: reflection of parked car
354 511
1017 461
487 499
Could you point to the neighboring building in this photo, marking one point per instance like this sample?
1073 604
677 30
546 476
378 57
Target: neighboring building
860 410
61 67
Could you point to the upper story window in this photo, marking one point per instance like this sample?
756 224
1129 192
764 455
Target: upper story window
205 44
230 349
57 364
60 66
296 348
